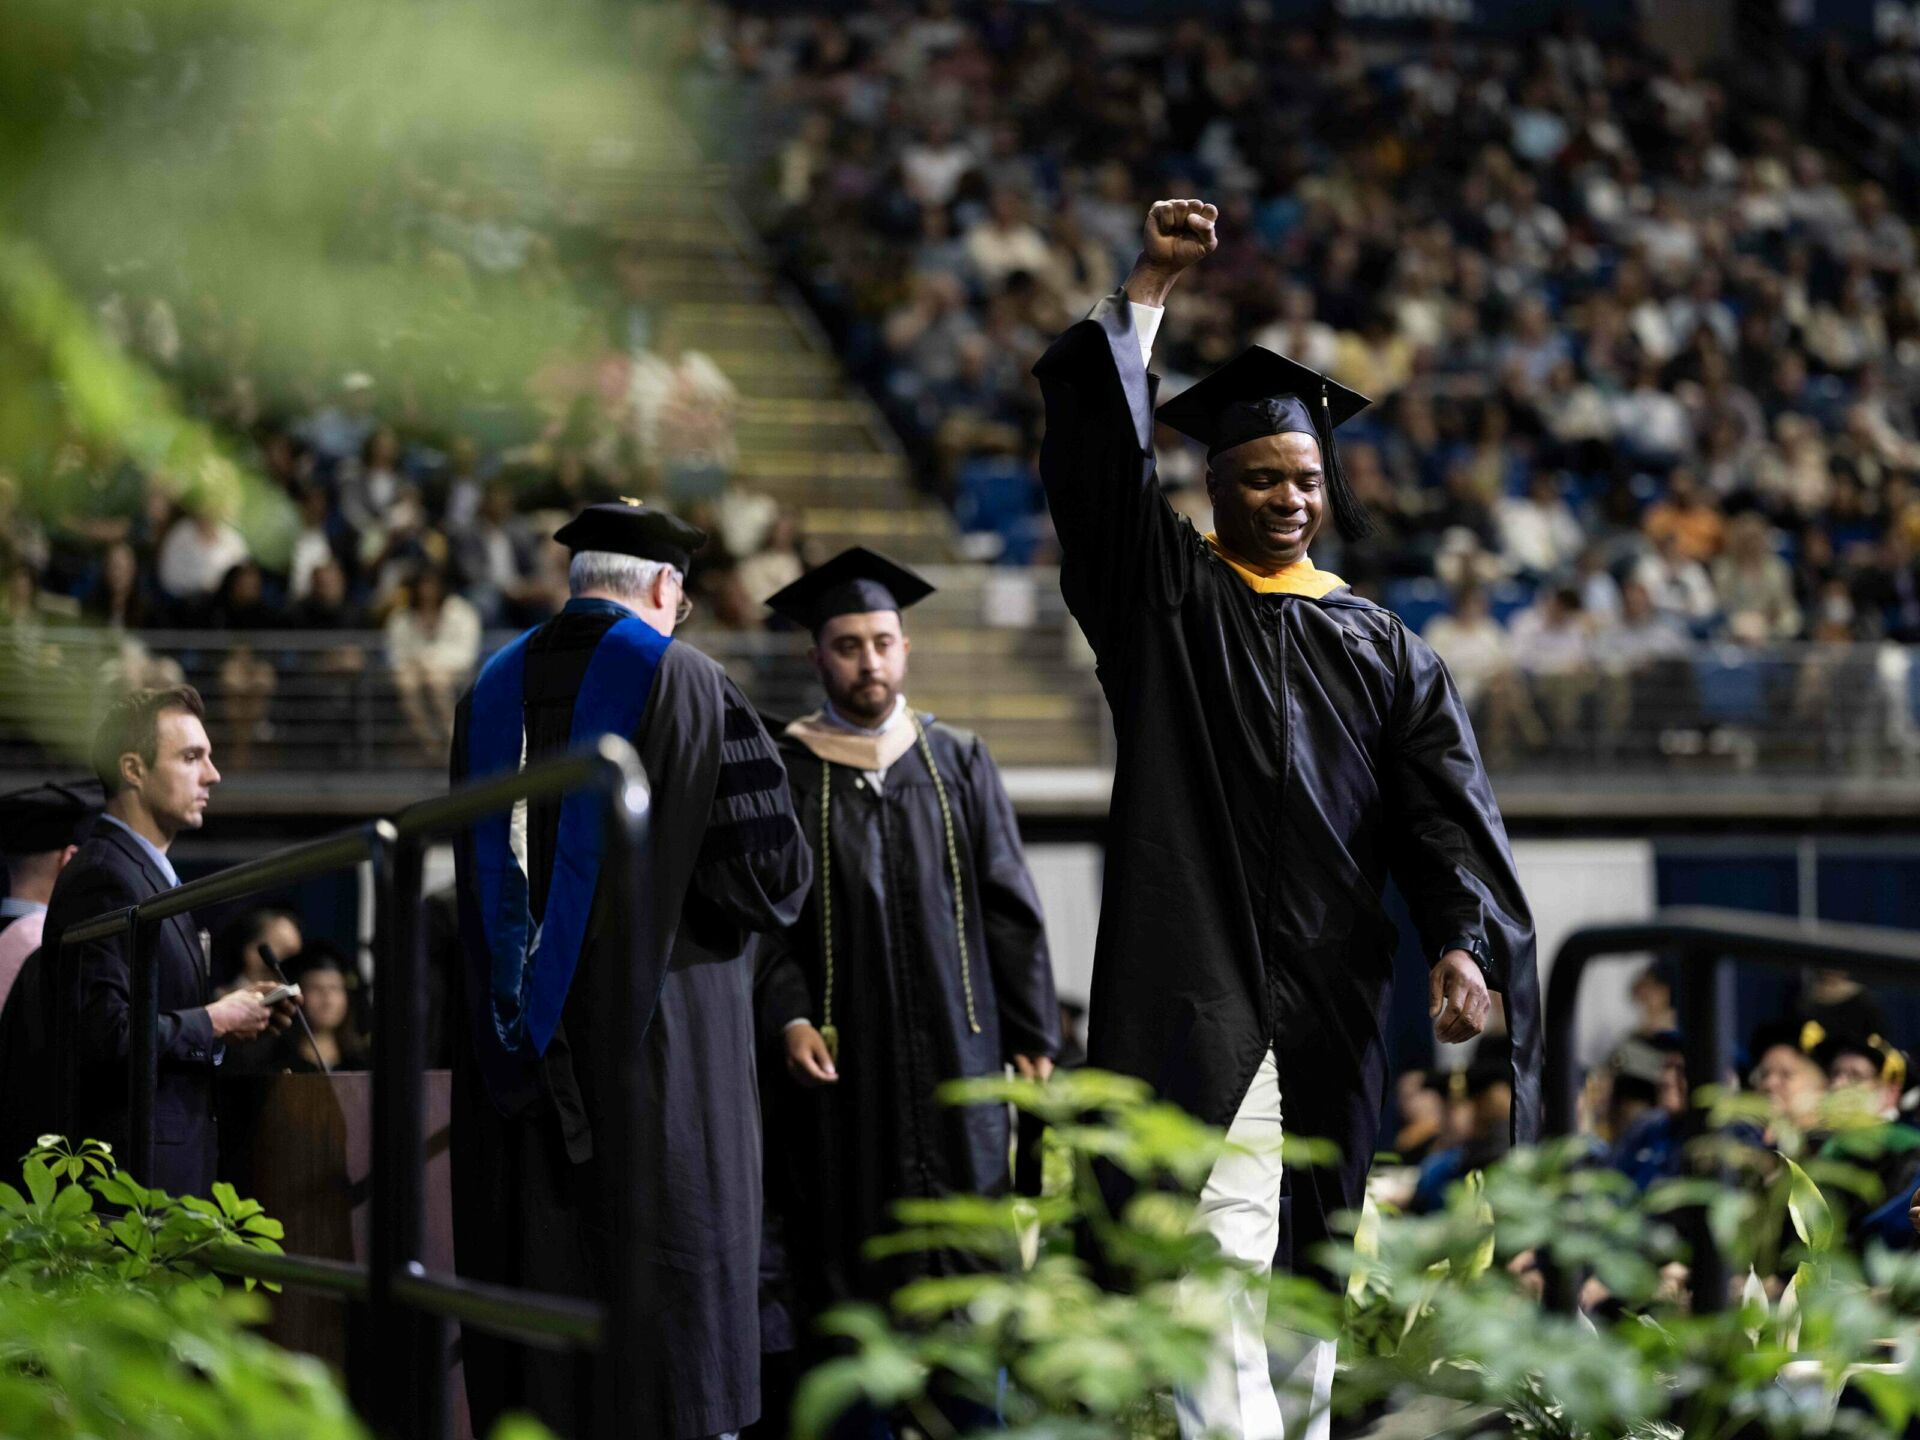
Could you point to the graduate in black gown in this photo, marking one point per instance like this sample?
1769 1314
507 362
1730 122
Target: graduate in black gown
920 956
41 830
535 1064
1284 746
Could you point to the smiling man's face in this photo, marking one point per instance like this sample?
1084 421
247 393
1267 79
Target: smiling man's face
1269 497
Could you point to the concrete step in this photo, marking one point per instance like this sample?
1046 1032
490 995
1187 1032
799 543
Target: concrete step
826 467
818 437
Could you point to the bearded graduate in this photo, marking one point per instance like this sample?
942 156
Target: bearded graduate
920 956
1284 747
537 1067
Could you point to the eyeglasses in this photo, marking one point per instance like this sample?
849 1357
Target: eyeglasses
683 608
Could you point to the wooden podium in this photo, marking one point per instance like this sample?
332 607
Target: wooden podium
302 1145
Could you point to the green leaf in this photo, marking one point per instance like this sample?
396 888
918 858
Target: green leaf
226 1196
40 1182
72 1200
116 1189
1807 1208
520 1427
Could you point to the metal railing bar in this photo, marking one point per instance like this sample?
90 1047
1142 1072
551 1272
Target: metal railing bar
553 1320
103 927
1866 950
343 1278
545 781
283 867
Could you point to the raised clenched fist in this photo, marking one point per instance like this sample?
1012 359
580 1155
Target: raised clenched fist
1180 233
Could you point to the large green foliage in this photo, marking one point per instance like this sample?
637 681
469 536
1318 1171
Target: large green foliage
1441 1313
111 1324
311 187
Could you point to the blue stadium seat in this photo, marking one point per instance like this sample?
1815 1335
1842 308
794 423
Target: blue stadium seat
1000 494
1508 598
1417 600
1731 686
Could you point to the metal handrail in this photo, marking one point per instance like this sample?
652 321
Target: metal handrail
407 1303
1704 940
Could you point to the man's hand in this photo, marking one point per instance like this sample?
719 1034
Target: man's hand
807 1058
239 1016
282 1013
1033 1067
1457 998
1178 233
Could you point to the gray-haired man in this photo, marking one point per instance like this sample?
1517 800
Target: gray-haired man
536 1067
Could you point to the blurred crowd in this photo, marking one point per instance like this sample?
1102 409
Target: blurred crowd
1643 365
1819 1084
429 538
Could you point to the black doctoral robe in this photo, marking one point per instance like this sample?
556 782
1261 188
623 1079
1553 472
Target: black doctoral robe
844 1153
1279 756
529 1188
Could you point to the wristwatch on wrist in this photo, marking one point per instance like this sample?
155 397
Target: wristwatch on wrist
1477 949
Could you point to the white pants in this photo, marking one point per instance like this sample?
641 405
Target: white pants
1240 1209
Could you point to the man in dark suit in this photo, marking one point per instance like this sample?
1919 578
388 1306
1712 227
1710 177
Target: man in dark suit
154 758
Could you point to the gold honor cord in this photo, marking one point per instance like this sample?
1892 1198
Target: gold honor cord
829 1032
953 861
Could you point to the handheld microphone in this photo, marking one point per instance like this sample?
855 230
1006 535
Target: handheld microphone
299 1011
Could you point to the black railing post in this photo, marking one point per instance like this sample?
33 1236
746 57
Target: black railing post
143 1048
629 989
409 1354
1706 1015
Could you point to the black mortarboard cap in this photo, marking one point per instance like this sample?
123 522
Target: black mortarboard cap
1260 393
627 527
1802 1035
48 817
853 582
1828 1046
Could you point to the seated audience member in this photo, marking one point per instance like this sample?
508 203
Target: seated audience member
1539 533
196 555
237 961
1880 1142
1785 1072
336 1044
1553 645
1839 1005
1480 658
433 643
1648 1103
1420 1096
247 679
1680 588
493 559
40 830
1479 1127
239 965
1690 515
1755 585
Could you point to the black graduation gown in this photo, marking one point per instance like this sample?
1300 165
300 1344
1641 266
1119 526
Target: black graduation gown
844 1153
1278 758
529 1190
